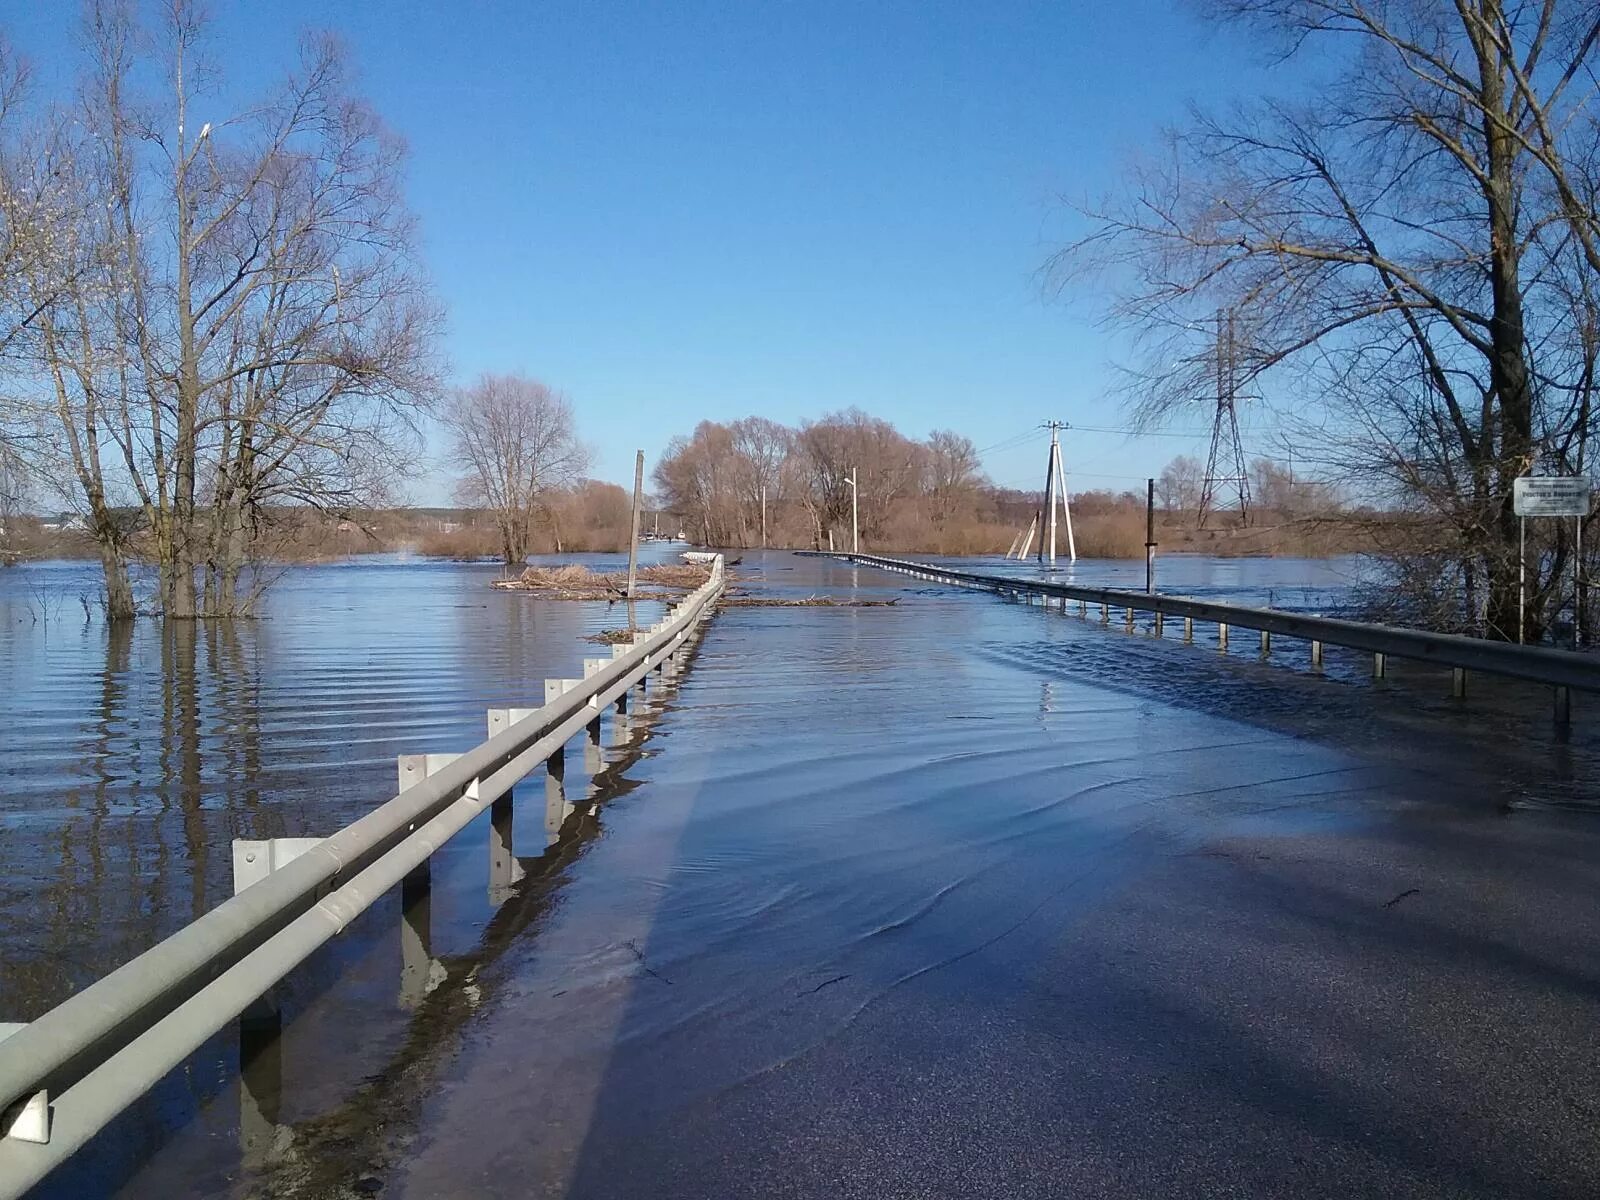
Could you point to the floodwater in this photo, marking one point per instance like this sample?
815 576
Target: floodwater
134 755
1317 585
958 896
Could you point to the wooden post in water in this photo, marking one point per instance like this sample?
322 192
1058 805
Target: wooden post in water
633 541
1150 536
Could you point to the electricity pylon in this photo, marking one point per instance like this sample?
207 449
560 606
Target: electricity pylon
1227 483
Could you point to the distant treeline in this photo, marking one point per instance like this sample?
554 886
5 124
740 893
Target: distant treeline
588 516
725 483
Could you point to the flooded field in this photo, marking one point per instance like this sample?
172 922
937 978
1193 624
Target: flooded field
957 896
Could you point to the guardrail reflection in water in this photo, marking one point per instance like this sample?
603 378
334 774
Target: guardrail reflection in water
1562 670
64 1076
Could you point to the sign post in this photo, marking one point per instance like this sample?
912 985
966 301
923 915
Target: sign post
1551 496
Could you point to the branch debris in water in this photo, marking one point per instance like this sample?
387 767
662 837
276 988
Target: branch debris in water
577 582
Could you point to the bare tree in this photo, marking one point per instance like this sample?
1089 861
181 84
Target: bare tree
243 326
1180 484
712 478
1413 253
953 474
34 200
762 447
515 442
887 466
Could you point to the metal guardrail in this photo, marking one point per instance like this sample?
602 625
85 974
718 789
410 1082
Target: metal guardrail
1561 669
64 1076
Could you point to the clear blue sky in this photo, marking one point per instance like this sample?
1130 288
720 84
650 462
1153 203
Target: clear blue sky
713 208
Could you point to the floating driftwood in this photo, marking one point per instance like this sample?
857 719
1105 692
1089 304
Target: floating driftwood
576 582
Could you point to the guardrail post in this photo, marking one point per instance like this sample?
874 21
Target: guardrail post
1316 654
1563 707
260 1088
556 808
618 650
416 935
1458 683
553 689
504 869
1380 665
253 861
593 666
420 972
1222 636
27 1120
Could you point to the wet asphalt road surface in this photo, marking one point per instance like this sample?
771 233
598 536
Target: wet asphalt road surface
963 898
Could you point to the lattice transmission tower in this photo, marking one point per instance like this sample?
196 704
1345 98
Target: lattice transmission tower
1227 483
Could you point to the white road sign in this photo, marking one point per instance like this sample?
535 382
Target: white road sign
1551 496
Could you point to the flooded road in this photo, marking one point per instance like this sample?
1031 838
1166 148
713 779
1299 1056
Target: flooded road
954 897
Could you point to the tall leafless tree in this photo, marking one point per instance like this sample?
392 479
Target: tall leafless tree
516 444
1413 251
243 324
1180 484
954 473
887 466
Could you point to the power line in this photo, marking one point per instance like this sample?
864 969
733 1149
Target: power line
1008 443
1023 438
1138 432
1024 487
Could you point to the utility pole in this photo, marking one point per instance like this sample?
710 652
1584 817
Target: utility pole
1049 539
1055 488
633 540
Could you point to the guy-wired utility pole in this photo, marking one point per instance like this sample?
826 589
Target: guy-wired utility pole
1055 485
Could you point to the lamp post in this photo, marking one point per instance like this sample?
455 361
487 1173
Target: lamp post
855 522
